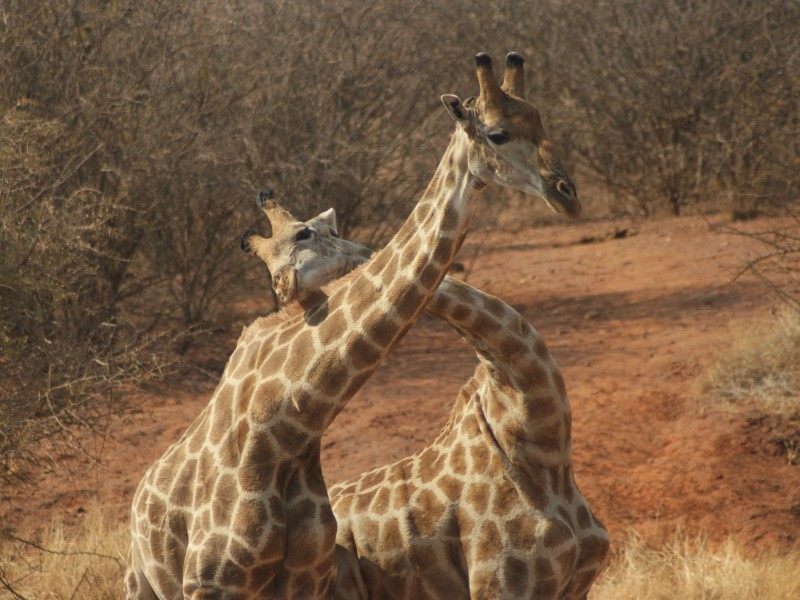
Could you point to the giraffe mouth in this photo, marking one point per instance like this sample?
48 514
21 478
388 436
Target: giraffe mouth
569 208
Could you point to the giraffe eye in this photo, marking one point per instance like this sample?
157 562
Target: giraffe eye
497 136
303 234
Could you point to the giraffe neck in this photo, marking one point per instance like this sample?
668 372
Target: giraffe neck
521 391
334 345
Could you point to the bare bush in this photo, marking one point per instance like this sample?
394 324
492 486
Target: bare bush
778 260
686 102
66 348
136 135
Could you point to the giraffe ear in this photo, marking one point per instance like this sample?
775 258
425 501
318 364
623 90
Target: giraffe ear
251 241
329 218
455 108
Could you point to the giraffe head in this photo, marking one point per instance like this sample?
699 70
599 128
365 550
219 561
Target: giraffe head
302 256
508 145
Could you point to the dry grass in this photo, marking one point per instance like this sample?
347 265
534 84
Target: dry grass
761 366
90 565
64 563
691 569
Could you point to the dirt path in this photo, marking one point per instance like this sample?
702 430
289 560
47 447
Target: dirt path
630 320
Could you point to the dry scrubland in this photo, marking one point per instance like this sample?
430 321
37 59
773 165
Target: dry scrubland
136 135
85 555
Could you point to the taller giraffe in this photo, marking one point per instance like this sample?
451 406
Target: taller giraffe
238 508
490 509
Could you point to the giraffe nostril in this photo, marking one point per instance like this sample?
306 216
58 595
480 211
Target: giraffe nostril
565 189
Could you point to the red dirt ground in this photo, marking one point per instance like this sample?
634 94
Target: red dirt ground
630 320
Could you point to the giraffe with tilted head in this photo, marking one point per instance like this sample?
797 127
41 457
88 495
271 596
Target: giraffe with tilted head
302 256
491 508
238 508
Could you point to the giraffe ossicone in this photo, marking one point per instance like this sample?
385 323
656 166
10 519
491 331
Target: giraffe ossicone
238 507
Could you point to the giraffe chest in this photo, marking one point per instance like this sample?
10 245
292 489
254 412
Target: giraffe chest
254 520
277 541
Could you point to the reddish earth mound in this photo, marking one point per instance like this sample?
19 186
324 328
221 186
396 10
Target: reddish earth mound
630 310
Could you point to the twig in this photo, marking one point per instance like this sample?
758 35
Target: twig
11 536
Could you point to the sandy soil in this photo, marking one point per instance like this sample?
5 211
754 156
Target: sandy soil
631 312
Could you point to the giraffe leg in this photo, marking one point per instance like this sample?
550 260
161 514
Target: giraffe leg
137 587
349 580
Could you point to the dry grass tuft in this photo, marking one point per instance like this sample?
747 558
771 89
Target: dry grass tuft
691 569
63 563
762 366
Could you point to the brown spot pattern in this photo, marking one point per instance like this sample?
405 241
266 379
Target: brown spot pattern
516 574
490 542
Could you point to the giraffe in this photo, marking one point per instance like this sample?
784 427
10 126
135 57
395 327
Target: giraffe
237 507
491 508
